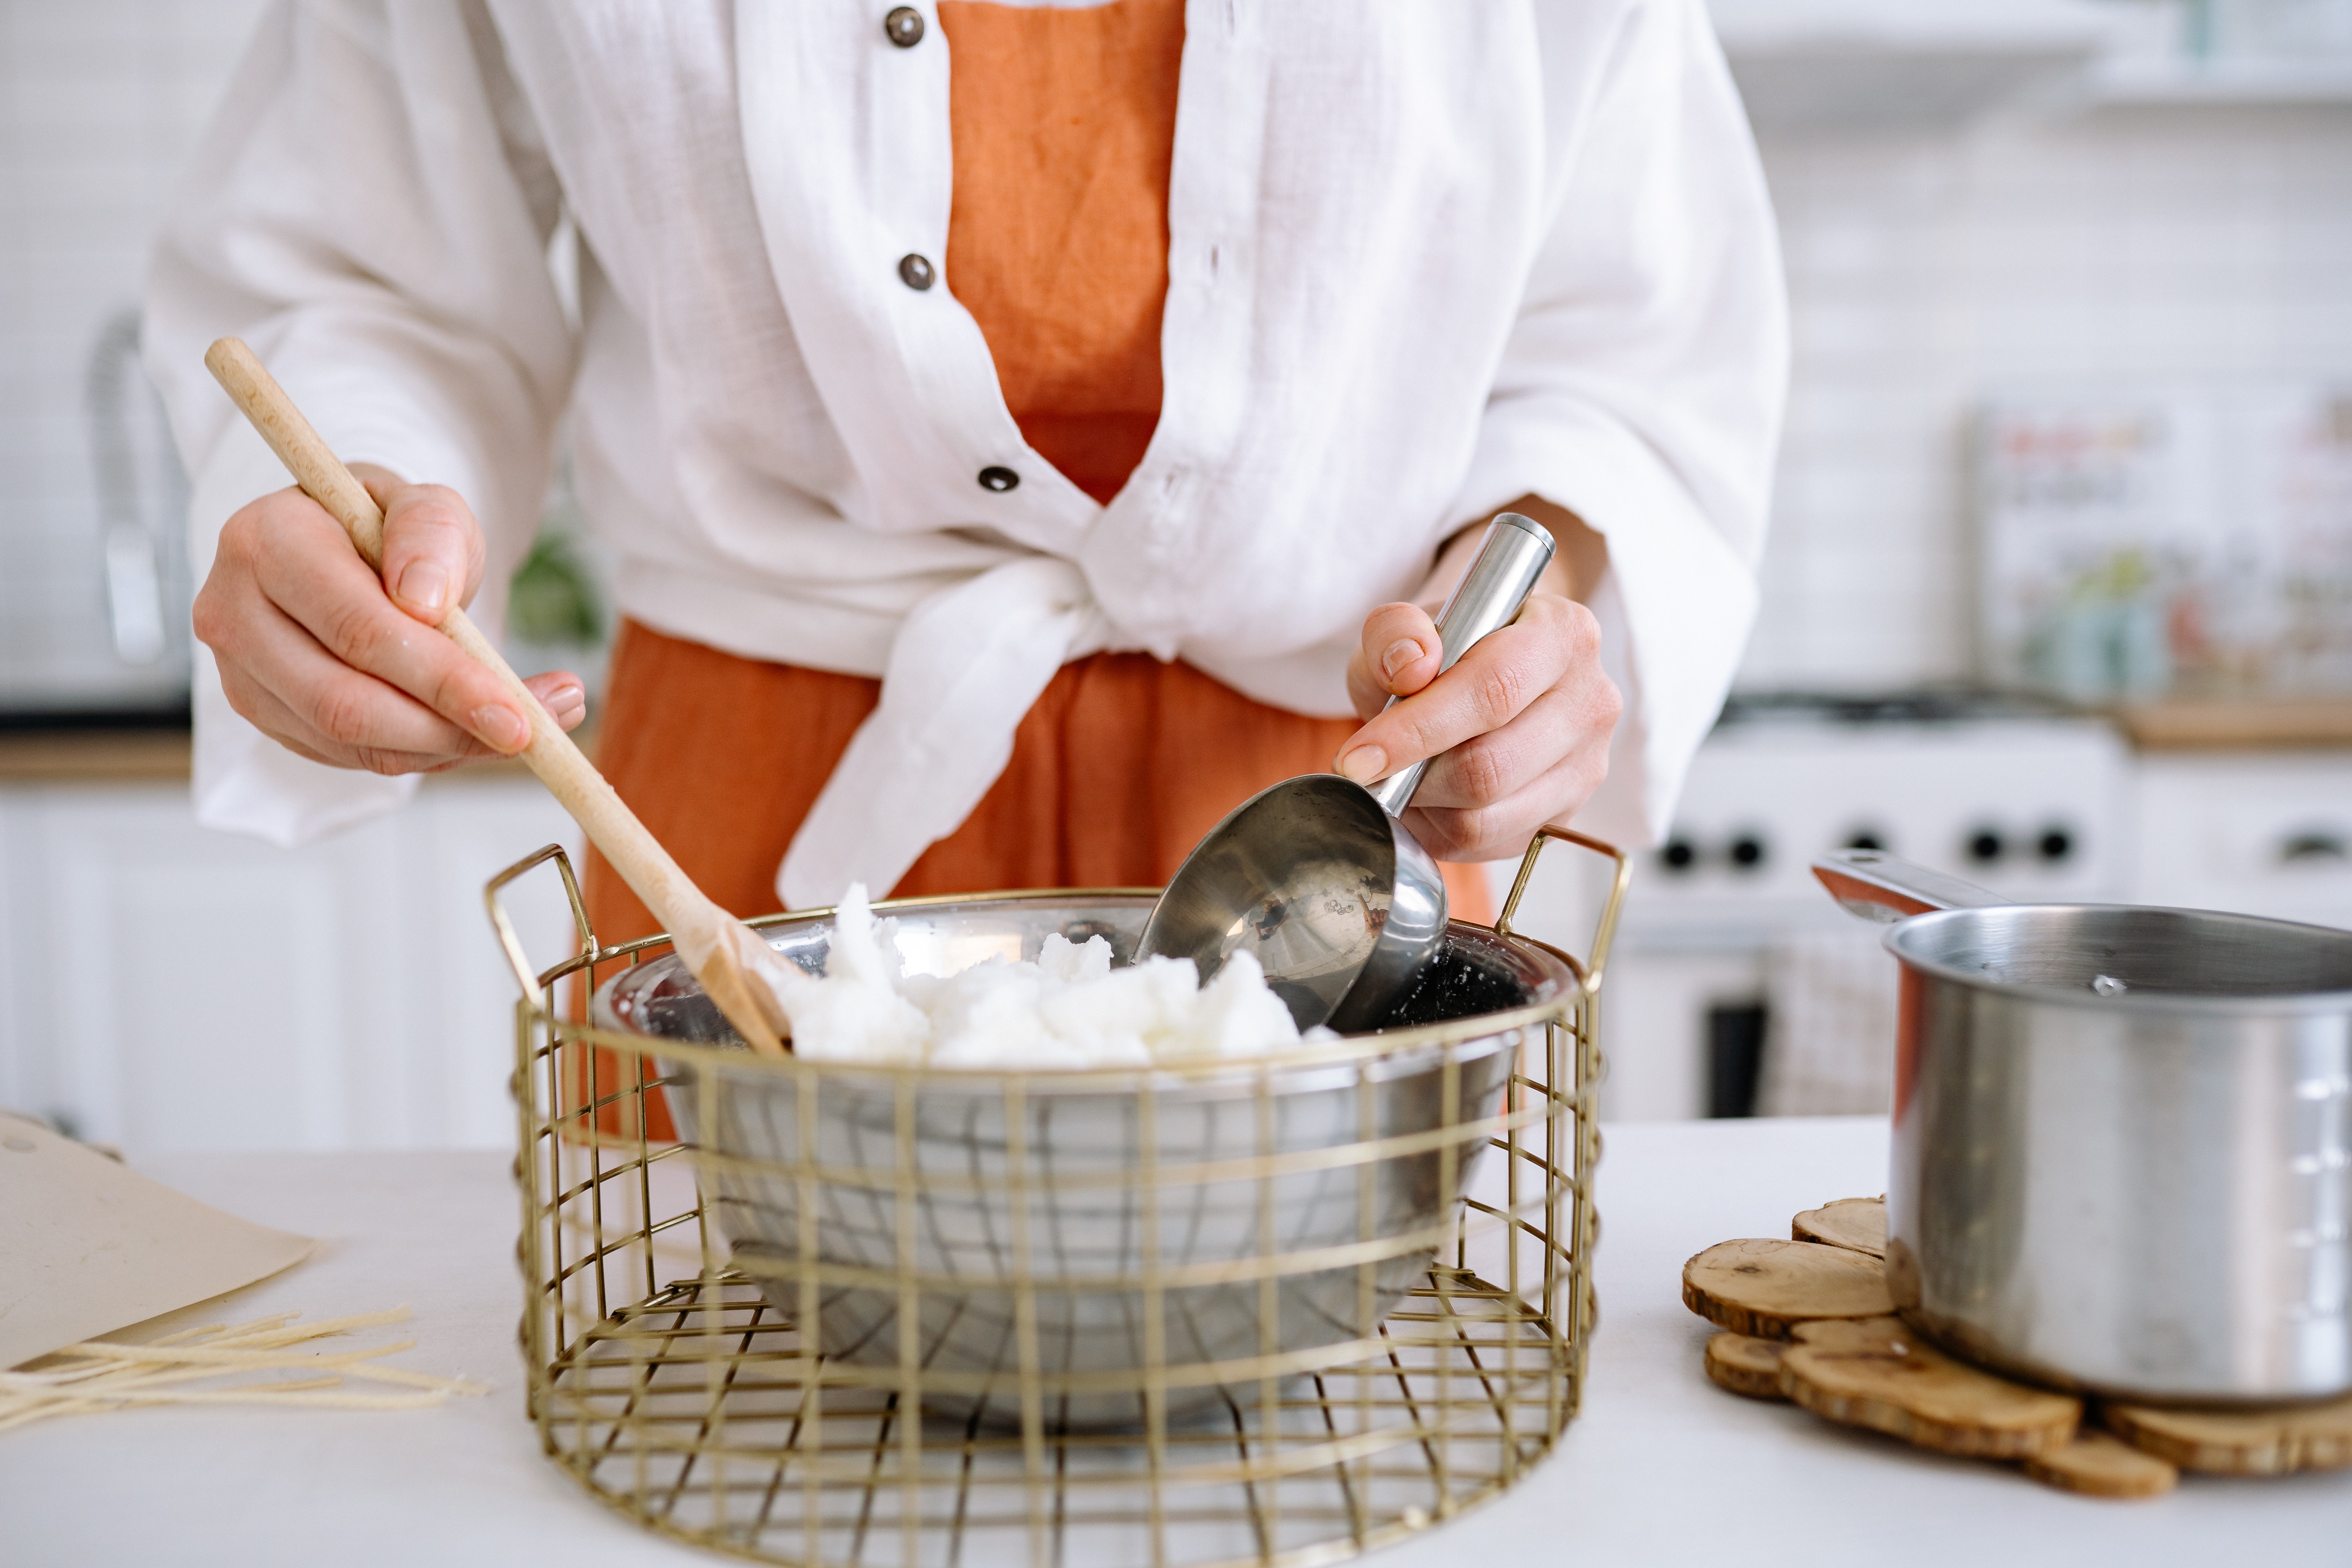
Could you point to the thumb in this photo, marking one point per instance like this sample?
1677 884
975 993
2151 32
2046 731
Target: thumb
433 552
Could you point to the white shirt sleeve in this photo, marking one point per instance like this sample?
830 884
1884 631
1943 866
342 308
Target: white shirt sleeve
1643 386
371 211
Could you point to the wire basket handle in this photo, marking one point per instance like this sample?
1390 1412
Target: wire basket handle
502 923
1603 933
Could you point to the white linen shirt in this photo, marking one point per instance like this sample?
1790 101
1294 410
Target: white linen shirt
1424 258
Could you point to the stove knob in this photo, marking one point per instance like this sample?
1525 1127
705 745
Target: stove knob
1678 854
2056 845
1985 845
1747 852
2311 846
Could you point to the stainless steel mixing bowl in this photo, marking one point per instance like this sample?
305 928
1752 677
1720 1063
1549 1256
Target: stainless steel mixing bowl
1264 1210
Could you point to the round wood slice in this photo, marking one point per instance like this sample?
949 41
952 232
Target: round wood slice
1762 1288
2266 1442
1877 1373
1745 1365
2097 1465
1859 1225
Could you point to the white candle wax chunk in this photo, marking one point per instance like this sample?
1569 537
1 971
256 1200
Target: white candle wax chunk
1069 1009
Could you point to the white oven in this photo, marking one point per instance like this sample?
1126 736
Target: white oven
2268 833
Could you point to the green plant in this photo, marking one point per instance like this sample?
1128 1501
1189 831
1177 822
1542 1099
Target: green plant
552 597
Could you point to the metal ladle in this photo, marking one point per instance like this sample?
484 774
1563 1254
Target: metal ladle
1316 878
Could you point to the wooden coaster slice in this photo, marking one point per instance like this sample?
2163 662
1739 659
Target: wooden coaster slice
2099 1466
1859 1225
1746 1365
1875 1373
1762 1288
2265 1442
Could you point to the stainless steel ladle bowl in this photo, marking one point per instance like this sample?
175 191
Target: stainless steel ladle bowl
1317 879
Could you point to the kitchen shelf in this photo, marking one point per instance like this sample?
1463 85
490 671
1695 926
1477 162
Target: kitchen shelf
1828 64
2166 83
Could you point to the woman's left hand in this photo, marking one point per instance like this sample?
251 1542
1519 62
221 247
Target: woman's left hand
1522 720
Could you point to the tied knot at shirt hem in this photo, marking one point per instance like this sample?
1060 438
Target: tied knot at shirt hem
964 668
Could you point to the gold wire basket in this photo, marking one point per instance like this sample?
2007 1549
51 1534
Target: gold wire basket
1269 1312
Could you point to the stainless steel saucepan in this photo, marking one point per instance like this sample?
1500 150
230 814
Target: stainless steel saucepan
2120 1140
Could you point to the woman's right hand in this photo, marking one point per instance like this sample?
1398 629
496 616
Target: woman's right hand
345 669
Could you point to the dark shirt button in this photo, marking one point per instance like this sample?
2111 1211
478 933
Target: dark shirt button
996 478
915 272
903 26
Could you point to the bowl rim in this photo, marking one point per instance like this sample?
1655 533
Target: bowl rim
1345 1050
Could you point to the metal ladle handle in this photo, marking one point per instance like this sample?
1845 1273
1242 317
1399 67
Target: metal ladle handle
1489 598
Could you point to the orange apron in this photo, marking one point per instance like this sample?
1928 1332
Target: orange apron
1057 244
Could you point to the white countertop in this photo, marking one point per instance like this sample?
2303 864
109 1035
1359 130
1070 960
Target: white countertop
1662 1467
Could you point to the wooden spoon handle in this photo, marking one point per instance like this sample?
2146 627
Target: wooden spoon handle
699 928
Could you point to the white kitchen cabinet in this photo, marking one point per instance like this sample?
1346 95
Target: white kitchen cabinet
2265 833
168 987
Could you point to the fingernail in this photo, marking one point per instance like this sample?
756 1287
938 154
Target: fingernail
566 697
1365 763
501 726
1401 652
425 585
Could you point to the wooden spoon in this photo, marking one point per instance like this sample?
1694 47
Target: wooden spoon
725 955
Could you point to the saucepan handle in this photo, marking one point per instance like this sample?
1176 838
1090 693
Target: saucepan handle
1491 594
1880 886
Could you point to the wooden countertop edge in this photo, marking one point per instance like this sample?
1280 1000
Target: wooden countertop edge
2218 725
94 756
161 756
153 756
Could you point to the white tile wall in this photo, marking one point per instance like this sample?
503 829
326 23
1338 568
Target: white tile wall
2174 243
1925 268
101 102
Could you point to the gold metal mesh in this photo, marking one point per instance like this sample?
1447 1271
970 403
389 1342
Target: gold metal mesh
1439 1357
